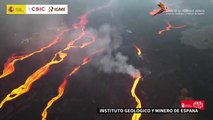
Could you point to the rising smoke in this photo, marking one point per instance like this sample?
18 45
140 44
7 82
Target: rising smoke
111 60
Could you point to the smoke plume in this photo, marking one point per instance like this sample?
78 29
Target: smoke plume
111 60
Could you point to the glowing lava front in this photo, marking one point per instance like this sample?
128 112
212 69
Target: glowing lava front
169 27
138 50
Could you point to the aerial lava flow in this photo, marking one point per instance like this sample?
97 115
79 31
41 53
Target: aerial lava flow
24 88
62 87
136 116
9 67
169 27
58 58
137 77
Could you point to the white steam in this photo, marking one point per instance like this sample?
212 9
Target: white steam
110 60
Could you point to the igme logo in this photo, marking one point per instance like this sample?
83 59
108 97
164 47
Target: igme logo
57 8
51 9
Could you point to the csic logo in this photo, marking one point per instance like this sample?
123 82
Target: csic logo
35 8
200 104
11 9
38 8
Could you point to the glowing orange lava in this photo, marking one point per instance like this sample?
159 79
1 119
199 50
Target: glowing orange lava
63 84
60 93
58 58
41 71
24 88
137 77
32 78
136 116
169 27
9 65
138 50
